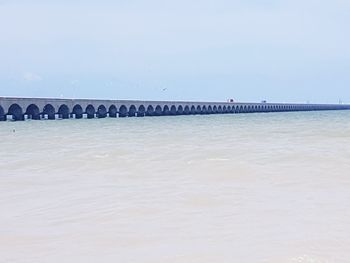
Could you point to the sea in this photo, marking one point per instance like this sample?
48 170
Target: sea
240 188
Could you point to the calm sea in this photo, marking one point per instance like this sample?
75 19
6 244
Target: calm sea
248 188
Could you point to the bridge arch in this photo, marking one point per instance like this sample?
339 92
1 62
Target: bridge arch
33 112
210 110
101 111
2 114
90 111
150 111
187 110
199 110
123 111
132 111
16 111
158 111
204 110
215 109
219 109
193 110
166 110
49 111
63 111
173 110
141 111
180 110
77 111
112 111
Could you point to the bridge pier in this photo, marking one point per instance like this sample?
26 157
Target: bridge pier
44 116
64 116
78 116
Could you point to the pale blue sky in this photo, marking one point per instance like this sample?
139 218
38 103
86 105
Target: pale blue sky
293 50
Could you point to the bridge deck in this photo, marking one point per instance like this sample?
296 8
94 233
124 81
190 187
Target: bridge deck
52 108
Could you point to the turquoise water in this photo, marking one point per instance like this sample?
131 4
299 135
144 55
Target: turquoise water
248 188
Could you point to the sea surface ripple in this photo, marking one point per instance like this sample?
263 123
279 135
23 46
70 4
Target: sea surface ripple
247 188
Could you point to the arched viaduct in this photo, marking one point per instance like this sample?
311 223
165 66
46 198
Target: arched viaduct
50 108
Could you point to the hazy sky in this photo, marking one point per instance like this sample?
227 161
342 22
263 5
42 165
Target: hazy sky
293 50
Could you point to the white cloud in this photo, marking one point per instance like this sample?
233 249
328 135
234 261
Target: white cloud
28 76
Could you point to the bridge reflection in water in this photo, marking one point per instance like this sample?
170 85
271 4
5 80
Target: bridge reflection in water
51 108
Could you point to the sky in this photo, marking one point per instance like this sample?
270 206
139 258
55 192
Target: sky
248 50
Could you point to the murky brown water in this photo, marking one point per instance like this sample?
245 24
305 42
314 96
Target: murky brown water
232 188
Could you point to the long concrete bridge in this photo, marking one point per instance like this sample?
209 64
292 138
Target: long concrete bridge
53 108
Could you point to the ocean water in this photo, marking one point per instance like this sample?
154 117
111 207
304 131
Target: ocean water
247 188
